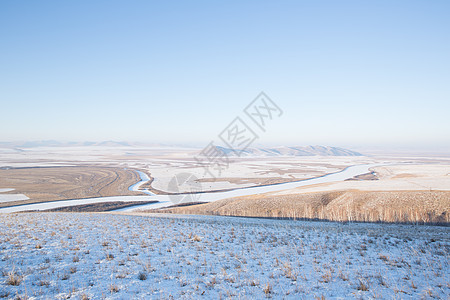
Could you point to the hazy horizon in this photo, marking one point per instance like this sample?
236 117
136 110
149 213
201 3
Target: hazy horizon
363 149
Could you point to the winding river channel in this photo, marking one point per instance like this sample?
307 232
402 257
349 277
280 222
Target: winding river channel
166 200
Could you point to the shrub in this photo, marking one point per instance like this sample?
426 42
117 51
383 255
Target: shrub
142 276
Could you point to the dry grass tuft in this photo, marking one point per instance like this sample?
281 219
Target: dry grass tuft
267 289
84 297
114 288
14 279
362 286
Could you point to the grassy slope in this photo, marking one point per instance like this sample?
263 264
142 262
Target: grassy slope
353 205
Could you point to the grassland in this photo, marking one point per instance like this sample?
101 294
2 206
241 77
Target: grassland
44 184
418 207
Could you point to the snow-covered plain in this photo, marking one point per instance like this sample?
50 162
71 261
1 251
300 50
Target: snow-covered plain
11 197
165 200
163 163
59 255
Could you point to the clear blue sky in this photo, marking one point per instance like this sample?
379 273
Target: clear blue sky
346 73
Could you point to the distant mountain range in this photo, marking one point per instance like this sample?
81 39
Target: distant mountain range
292 151
254 151
54 143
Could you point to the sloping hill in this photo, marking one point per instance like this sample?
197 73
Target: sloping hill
423 207
292 151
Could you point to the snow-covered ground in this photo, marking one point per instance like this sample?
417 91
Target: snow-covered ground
11 197
392 177
163 163
165 200
59 255
285 167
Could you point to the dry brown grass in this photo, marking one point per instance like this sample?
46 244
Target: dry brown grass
114 288
422 207
61 183
13 279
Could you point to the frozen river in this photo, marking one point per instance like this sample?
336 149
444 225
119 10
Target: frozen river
166 200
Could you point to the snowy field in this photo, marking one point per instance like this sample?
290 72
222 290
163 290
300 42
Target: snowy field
95 256
11 197
163 163
165 200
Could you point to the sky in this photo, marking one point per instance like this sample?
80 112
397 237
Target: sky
345 73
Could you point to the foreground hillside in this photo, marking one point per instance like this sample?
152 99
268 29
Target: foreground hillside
92 256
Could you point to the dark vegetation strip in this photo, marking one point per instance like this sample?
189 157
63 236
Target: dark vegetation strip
101 206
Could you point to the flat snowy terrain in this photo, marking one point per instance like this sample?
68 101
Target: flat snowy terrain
11 197
94 256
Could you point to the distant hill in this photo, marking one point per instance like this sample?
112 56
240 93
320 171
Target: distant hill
254 151
54 143
293 151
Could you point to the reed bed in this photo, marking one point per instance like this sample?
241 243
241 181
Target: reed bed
414 207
